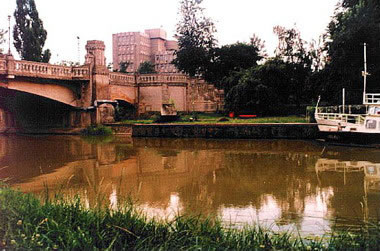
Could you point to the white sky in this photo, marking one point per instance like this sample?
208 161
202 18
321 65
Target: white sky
235 20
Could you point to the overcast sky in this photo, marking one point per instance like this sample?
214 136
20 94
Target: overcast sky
235 20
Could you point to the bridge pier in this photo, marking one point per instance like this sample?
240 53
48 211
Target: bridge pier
7 121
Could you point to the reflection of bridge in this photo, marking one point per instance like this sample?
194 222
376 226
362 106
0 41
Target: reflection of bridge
39 94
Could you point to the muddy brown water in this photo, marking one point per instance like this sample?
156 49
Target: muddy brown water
282 184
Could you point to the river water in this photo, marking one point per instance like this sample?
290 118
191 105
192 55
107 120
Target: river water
287 185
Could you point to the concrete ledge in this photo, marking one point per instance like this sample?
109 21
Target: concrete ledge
227 131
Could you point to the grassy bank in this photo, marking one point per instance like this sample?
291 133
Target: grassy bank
28 224
216 118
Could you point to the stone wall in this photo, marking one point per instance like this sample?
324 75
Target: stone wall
233 131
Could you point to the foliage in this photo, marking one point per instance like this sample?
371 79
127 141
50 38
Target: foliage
250 94
146 68
291 47
29 34
355 22
2 37
29 224
123 67
97 130
195 34
259 44
231 58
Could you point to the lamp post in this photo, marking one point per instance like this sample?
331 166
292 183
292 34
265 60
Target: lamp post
9 34
78 38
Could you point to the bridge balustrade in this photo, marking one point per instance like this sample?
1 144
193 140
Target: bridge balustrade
3 64
144 79
45 70
122 78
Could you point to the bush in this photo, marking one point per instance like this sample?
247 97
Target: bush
98 130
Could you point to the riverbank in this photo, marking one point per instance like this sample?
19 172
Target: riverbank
29 224
228 131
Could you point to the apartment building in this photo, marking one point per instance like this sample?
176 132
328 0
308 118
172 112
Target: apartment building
137 47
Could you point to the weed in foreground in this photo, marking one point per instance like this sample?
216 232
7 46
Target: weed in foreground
29 224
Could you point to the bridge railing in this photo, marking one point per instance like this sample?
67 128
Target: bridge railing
158 78
3 65
45 70
122 78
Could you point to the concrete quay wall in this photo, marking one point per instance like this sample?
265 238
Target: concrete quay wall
230 131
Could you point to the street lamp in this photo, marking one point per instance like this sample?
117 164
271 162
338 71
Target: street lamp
9 34
78 38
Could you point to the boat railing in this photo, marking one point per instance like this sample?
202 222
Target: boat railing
342 117
372 98
346 109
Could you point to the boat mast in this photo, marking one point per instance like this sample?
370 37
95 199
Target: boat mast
365 73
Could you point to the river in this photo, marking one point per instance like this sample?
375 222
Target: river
281 184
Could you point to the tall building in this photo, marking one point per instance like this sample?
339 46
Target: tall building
151 45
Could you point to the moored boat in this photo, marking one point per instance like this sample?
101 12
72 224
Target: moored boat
359 124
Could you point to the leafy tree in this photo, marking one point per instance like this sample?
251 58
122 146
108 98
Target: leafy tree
229 59
291 47
2 37
123 67
146 68
250 95
259 44
29 33
195 34
355 22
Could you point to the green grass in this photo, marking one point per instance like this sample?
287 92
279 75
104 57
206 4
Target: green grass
28 224
98 130
214 118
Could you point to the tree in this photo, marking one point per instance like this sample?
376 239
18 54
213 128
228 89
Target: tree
355 22
29 34
228 59
2 39
250 95
259 44
195 34
123 67
146 68
291 47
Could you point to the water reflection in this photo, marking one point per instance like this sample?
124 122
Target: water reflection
282 184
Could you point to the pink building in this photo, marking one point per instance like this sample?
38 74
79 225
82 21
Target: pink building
138 47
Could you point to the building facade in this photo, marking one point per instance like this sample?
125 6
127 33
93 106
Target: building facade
134 48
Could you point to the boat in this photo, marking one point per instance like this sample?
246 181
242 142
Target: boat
352 124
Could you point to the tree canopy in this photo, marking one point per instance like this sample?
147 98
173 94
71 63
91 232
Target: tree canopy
355 22
146 68
299 71
29 34
123 67
195 33
2 37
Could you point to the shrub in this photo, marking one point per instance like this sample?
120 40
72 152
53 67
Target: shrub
97 130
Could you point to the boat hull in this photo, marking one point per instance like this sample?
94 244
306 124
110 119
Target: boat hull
357 138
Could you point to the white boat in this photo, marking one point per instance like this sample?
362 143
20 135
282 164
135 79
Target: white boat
359 124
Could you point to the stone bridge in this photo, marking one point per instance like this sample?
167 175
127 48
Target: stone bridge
41 95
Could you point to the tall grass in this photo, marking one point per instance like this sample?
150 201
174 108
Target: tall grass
28 224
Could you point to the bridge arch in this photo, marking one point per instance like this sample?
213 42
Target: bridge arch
54 91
